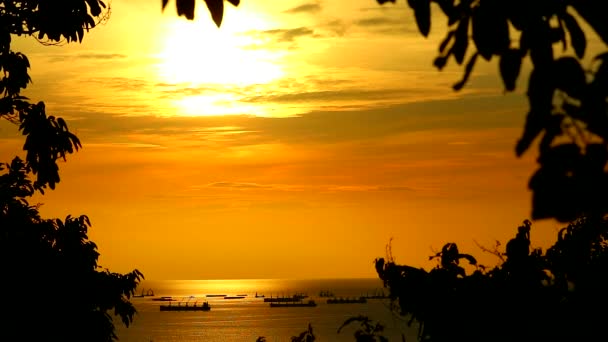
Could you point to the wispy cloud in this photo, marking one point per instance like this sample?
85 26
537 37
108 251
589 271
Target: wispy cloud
332 95
239 186
305 8
360 188
387 25
86 55
283 35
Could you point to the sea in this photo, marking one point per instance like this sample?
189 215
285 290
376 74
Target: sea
248 318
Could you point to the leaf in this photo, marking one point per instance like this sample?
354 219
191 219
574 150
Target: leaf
237 2
350 320
593 13
422 13
534 125
490 29
447 6
462 40
440 62
510 66
164 4
569 76
467 72
469 258
577 36
539 42
185 8
446 41
216 8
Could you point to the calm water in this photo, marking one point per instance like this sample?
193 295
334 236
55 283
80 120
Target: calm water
246 319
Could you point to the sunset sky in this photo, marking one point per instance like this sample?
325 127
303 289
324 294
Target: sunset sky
293 142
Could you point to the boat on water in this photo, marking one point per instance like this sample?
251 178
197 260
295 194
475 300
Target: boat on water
326 293
294 304
187 307
259 296
148 293
294 298
360 300
300 295
215 295
234 297
379 294
164 299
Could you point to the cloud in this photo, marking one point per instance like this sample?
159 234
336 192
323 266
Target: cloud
388 25
337 26
362 188
283 35
86 55
305 8
96 55
237 185
317 127
331 95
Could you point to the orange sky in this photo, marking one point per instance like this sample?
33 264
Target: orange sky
294 142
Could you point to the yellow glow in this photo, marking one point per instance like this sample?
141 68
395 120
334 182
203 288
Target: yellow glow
196 56
214 104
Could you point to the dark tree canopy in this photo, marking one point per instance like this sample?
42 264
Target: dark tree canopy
47 137
53 288
556 296
567 104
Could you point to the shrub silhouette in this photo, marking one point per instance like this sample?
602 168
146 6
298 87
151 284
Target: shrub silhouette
530 296
53 288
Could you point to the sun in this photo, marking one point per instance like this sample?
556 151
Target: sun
196 54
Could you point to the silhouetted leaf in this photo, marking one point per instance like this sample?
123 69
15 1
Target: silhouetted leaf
440 62
557 34
164 3
569 76
422 13
469 258
447 6
510 65
216 8
446 41
538 39
350 320
577 36
237 2
467 72
535 122
462 40
185 8
490 29
593 12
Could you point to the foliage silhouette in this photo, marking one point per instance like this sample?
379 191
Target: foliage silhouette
55 291
215 7
369 331
305 336
47 137
531 296
567 103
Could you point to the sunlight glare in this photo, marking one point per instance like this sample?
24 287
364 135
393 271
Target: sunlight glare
194 55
